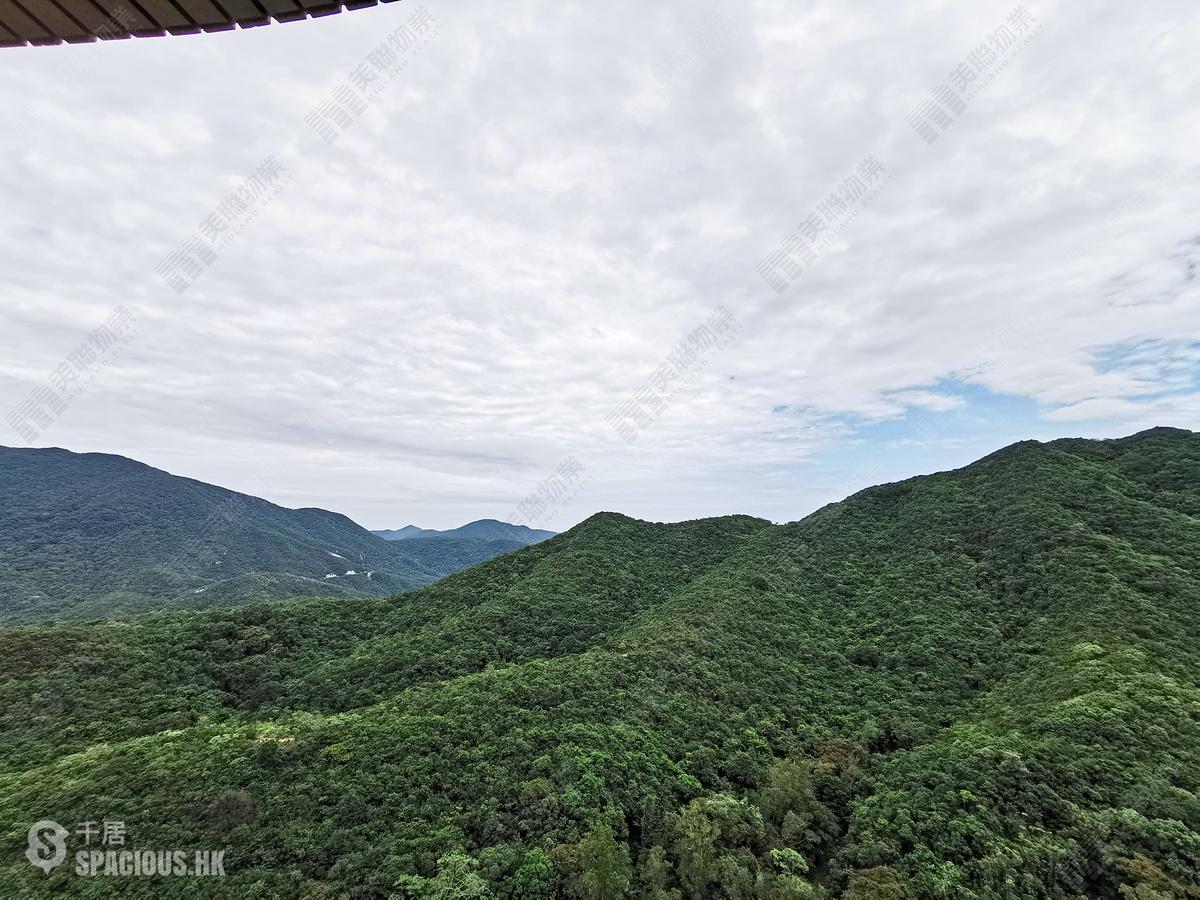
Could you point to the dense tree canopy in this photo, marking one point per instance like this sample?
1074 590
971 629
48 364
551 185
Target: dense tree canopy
976 684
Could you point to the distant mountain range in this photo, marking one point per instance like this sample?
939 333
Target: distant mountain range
481 530
90 535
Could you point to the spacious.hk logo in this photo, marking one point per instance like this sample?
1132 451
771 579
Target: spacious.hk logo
47 845
48 849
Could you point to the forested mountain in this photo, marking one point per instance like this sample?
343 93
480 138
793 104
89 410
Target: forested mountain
480 530
976 684
89 535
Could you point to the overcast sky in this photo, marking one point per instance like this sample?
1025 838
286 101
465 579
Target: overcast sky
426 316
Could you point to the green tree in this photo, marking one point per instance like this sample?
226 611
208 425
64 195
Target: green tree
534 878
458 879
604 867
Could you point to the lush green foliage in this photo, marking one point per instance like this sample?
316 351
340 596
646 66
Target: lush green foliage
93 536
976 684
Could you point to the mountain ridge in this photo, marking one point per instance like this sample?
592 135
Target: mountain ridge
480 529
92 535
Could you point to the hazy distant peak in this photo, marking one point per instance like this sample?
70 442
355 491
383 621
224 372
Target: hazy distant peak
479 530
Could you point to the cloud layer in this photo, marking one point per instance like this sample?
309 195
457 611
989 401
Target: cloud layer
446 302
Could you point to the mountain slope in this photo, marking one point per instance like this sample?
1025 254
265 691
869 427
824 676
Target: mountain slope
93 535
977 684
481 530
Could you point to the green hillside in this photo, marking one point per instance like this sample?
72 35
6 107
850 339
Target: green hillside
93 535
977 684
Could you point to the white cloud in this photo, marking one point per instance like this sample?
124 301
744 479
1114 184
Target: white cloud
451 298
